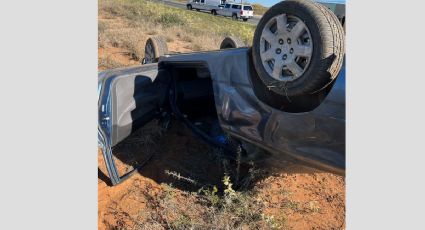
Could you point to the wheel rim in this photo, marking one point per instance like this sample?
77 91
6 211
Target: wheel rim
149 53
286 47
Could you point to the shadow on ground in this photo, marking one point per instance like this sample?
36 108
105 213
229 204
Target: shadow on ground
177 157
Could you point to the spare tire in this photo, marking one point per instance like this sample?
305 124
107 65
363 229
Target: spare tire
298 47
231 42
155 47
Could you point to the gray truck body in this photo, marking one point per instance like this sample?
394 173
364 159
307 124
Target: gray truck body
130 97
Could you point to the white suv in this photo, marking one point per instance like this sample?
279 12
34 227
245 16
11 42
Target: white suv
236 11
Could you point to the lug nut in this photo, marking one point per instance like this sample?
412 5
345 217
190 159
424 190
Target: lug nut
284 57
278 51
289 41
291 50
281 41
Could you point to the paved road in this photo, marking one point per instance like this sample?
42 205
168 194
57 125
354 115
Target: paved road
253 20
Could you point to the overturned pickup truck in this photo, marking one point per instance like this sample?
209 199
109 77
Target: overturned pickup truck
284 95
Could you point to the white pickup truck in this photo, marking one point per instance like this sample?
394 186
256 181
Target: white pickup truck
219 7
236 11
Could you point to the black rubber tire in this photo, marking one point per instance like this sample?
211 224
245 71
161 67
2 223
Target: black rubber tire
231 42
245 19
189 7
340 33
159 45
235 17
214 12
328 48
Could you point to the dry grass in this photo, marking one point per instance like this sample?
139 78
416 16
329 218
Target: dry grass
108 63
214 209
259 9
218 206
126 24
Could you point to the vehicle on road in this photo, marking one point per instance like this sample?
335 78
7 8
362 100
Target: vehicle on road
237 11
206 5
285 95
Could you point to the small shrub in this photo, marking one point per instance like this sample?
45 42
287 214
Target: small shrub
273 223
186 38
170 19
211 196
101 27
182 222
313 206
196 47
293 205
169 39
108 63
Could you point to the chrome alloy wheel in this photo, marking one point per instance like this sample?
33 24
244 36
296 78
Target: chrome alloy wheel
286 47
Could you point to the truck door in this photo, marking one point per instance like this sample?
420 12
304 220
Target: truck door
196 4
202 5
226 10
128 99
